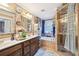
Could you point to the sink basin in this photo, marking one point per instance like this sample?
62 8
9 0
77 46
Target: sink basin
6 42
1 41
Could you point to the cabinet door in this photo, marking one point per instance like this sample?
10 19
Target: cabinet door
32 49
34 45
14 50
26 43
27 50
17 53
33 40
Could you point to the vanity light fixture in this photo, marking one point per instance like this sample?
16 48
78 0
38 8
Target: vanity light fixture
4 6
28 15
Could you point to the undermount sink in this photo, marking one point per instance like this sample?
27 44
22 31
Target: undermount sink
5 42
1 41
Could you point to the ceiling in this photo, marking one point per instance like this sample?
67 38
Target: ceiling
41 10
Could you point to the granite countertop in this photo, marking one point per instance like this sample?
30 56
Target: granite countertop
8 43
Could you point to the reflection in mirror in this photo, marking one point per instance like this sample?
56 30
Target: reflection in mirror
5 26
27 24
7 20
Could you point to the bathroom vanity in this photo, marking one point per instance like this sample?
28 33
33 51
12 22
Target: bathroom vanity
11 22
27 47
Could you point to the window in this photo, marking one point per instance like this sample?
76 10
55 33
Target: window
1 26
5 26
49 28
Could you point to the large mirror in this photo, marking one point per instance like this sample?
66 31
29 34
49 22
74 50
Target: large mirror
27 24
6 26
7 20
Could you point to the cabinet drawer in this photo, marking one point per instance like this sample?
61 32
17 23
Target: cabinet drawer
33 40
17 53
10 50
26 43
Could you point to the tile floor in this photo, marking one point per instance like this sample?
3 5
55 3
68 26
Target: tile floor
43 52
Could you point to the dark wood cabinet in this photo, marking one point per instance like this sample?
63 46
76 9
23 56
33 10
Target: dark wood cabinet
33 49
34 45
26 48
12 51
16 53
27 51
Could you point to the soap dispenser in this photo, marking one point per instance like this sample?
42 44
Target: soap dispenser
12 36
